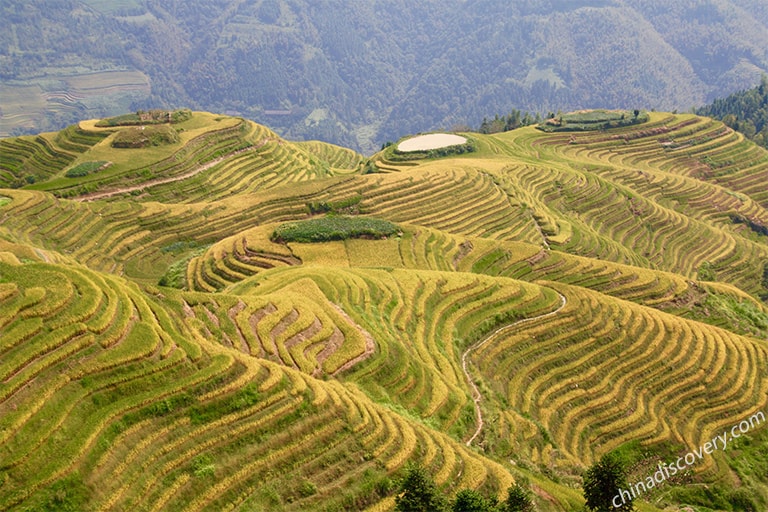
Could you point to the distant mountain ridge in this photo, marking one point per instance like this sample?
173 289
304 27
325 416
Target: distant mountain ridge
359 73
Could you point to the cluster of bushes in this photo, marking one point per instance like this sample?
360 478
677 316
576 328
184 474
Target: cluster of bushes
145 136
602 482
754 226
142 117
74 191
333 227
85 168
706 272
349 205
370 166
28 179
590 120
515 119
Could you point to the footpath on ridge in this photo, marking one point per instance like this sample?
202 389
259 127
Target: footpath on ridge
162 181
476 395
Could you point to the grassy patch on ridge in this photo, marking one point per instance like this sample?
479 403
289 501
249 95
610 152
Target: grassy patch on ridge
334 227
85 168
588 120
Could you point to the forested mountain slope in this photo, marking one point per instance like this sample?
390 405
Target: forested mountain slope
745 111
361 72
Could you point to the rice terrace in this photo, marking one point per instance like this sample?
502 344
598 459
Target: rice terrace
197 314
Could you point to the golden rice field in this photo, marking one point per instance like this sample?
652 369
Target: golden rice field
546 299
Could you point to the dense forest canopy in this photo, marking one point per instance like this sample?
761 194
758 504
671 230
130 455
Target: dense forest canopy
365 71
745 111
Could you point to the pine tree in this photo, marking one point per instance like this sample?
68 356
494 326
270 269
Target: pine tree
469 500
418 492
603 482
519 500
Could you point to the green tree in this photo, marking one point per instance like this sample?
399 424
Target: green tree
744 111
418 492
603 481
519 499
469 500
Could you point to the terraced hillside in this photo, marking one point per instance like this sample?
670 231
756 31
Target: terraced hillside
544 300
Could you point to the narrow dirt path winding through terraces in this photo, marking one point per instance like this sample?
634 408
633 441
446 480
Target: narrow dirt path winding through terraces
162 181
476 396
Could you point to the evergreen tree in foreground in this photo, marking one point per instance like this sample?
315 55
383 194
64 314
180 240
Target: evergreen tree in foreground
469 500
418 492
519 500
603 482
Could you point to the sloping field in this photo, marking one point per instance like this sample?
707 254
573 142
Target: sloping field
588 372
27 103
23 107
108 82
338 158
112 400
217 157
543 300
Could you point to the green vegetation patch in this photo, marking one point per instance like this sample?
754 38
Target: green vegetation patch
180 246
589 120
86 168
68 494
244 398
145 136
175 275
334 227
144 117
764 281
4 201
706 272
752 224
350 205
737 315
744 111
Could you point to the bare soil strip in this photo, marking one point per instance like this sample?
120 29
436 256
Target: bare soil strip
476 396
232 313
254 320
304 335
370 344
332 344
